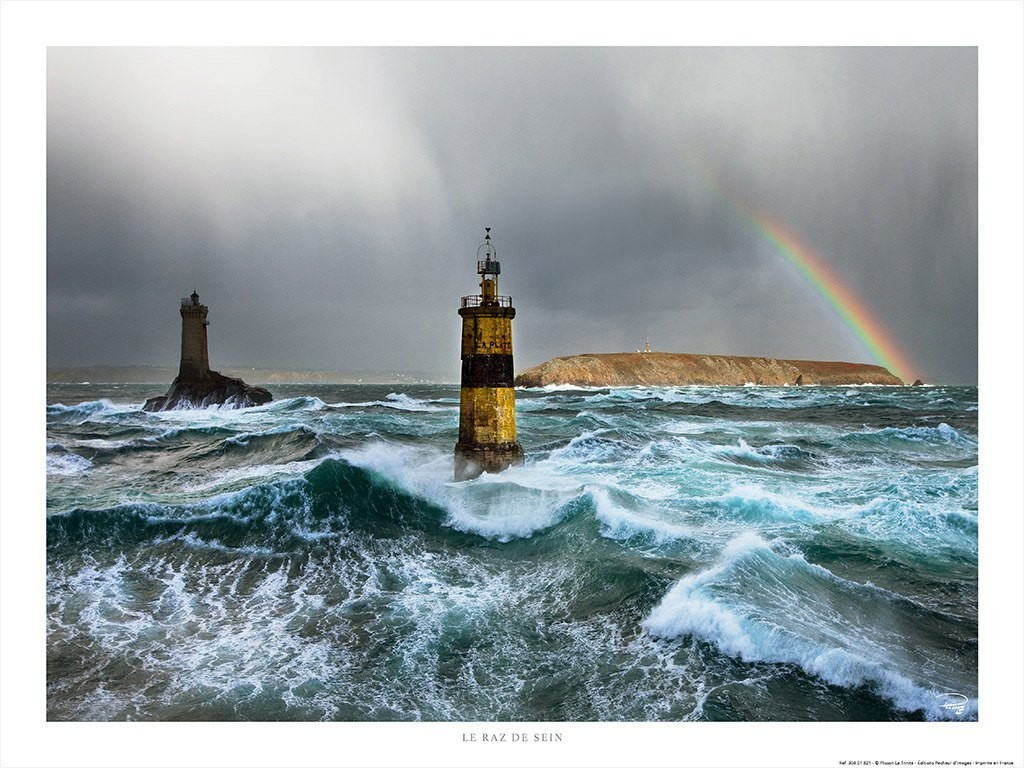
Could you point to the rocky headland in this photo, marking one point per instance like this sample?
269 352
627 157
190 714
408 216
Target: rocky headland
667 369
214 388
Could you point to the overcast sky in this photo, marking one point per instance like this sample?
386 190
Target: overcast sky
327 203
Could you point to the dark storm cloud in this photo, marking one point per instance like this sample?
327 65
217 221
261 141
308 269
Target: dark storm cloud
327 203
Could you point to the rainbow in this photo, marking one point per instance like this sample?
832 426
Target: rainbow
851 310
854 313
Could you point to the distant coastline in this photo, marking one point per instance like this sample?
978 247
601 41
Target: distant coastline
160 375
596 370
667 369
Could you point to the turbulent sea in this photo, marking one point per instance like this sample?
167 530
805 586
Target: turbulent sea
698 553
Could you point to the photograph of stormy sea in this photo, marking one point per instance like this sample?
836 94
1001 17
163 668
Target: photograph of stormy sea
666 460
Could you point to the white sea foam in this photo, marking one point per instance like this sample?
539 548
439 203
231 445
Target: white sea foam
621 523
87 411
205 418
222 482
202 640
916 526
101 444
242 438
397 462
226 613
193 541
561 388
66 464
760 505
766 455
760 606
301 403
398 401
638 394
513 504
940 433
589 447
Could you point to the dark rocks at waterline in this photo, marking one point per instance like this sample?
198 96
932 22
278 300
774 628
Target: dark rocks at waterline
212 389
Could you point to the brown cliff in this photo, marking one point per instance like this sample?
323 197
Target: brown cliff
666 369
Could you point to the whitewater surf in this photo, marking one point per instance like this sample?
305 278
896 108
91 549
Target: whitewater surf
688 553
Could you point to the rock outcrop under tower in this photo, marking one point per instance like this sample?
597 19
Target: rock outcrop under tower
196 386
215 389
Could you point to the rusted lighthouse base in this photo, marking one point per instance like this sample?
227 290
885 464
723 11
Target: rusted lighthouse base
471 461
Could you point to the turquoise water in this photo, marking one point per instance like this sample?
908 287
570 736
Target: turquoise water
704 553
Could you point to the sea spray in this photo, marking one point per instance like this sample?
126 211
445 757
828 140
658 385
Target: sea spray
689 553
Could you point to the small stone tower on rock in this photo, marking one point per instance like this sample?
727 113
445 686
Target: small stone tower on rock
196 386
487 401
195 355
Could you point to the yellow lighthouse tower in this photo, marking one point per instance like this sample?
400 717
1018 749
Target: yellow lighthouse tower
487 402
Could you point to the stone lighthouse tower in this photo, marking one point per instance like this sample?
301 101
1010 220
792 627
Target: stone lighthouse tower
487 402
196 386
195 355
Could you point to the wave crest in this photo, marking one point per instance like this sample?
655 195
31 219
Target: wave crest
760 606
